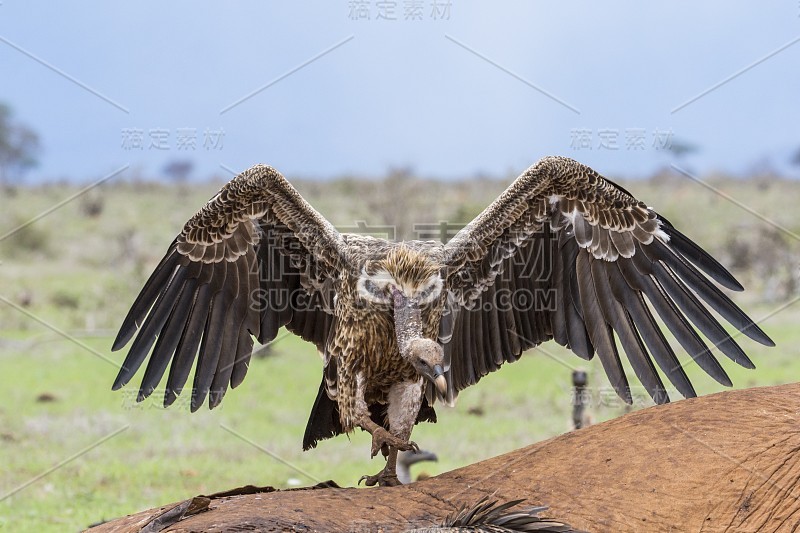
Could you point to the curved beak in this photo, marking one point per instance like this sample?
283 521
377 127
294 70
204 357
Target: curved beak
439 380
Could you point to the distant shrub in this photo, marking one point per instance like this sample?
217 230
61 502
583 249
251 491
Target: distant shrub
65 300
26 239
91 205
764 252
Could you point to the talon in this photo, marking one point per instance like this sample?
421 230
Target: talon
382 440
389 481
381 478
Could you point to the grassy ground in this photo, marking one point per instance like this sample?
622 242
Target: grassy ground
73 452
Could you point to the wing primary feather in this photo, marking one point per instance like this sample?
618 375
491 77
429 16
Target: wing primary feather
648 328
599 331
187 347
489 354
481 355
226 287
209 348
700 257
167 340
239 308
152 326
465 355
532 315
542 280
579 340
491 319
457 350
504 328
512 335
250 325
626 332
675 321
279 287
270 265
472 348
559 317
152 288
227 356
242 362
447 323
290 279
301 323
700 317
310 325
708 291
520 320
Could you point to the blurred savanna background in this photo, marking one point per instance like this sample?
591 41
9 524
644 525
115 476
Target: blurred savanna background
399 118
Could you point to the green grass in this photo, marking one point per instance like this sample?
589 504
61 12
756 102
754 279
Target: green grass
165 455
79 274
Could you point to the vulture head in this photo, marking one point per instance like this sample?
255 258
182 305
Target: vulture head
407 281
427 356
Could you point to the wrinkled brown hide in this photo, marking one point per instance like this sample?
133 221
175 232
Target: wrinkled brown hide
725 462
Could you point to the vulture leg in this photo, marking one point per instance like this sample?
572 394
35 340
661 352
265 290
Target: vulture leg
386 477
405 400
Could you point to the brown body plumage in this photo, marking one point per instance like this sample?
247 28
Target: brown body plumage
562 254
365 342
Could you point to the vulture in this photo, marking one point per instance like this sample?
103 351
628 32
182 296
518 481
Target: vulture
562 254
411 457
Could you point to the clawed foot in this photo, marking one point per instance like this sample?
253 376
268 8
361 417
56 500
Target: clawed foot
382 438
381 478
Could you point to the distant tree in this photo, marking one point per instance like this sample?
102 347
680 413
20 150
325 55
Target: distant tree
681 148
19 147
178 170
795 160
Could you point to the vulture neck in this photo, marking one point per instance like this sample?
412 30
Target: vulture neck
407 323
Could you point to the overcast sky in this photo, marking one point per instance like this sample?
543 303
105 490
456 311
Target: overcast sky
449 89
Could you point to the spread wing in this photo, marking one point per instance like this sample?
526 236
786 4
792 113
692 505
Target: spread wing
256 257
565 254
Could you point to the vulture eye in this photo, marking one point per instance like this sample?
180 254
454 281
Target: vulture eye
371 287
